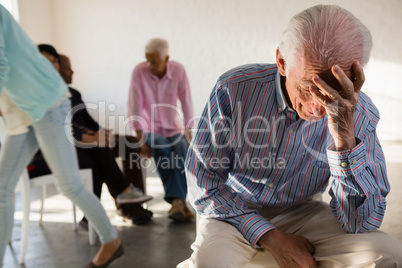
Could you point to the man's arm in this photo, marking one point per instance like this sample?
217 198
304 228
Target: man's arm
135 101
209 162
81 115
186 104
135 104
146 151
356 159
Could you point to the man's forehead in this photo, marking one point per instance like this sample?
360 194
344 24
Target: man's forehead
327 76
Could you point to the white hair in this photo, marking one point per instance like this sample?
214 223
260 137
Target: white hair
325 35
158 45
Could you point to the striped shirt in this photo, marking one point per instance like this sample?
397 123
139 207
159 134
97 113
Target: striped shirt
250 146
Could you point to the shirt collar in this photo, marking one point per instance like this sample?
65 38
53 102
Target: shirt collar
168 74
168 71
282 104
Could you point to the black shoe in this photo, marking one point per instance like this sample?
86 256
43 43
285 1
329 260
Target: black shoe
142 216
136 213
117 254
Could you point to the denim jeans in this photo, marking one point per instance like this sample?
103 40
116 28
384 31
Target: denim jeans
52 134
169 155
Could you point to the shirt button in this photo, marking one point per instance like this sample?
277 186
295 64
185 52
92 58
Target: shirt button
354 161
344 164
280 164
291 131
270 185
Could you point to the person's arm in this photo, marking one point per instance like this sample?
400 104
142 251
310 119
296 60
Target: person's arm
209 162
81 115
145 150
356 159
135 106
186 104
4 66
135 103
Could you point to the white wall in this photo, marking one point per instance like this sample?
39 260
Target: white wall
105 40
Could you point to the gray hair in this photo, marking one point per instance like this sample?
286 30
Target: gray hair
325 35
158 45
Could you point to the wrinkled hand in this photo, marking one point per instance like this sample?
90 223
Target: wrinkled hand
146 151
111 138
340 105
289 250
188 135
104 138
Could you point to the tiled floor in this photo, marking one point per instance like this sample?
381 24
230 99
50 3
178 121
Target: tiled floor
161 243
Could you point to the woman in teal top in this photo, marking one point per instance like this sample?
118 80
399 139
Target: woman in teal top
34 99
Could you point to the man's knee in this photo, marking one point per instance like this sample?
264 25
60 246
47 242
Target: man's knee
218 256
219 244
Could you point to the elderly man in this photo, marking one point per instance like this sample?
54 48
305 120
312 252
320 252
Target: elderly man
271 138
156 85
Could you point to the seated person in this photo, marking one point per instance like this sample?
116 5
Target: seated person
97 156
305 124
156 86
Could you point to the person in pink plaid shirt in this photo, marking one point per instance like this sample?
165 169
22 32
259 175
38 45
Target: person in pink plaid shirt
162 127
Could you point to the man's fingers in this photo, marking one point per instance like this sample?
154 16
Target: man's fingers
343 79
328 94
359 76
323 99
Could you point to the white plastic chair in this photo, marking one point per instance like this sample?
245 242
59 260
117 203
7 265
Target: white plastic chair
24 186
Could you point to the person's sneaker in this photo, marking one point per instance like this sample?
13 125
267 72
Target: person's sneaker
177 212
133 196
189 214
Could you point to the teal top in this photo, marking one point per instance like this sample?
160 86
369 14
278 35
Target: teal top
28 78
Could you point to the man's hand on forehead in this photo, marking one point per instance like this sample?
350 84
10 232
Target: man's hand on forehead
339 95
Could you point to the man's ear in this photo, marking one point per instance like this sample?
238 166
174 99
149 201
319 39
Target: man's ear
280 61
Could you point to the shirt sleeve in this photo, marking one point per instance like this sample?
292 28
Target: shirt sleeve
208 165
360 183
135 100
78 131
4 66
81 117
185 100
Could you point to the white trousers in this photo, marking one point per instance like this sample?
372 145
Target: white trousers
219 244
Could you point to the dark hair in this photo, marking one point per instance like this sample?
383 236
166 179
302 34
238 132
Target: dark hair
49 50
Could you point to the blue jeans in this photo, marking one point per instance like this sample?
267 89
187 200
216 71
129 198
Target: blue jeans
169 155
52 135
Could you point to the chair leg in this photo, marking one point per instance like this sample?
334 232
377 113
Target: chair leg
11 231
91 233
42 203
75 218
26 200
